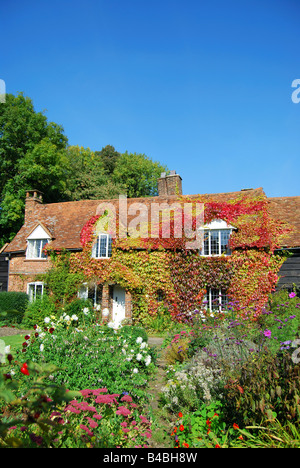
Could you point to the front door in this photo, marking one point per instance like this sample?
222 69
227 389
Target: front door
118 305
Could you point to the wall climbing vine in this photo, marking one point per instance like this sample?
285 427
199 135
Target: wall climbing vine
144 265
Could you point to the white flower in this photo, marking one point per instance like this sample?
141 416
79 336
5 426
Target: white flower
139 340
148 360
135 371
144 345
7 349
139 357
74 317
86 311
47 320
67 318
42 347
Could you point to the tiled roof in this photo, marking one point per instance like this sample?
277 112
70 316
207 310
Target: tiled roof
287 209
65 220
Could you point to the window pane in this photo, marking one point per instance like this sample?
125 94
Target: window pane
206 243
215 299
224 241
214 242
83 292
31 292
103 246
43 243
109 246
224 300
38 291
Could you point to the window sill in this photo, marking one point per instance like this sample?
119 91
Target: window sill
36 259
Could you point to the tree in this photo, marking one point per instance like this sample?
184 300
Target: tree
32 154
88 178
109 157
138 173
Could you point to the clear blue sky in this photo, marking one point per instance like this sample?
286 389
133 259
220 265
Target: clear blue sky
204 87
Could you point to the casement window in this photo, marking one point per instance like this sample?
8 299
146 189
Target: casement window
35 248
102 246
215 300
92 292
35 290
36 243
216 238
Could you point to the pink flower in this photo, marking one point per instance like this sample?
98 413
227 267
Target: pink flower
99 390
72 409
85 392
268 333
86 429
122 410
93 424
291 295
97 416
126 398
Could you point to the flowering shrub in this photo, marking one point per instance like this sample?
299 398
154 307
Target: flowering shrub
204 428
90 356
51 416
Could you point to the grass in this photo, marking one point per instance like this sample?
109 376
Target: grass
14 341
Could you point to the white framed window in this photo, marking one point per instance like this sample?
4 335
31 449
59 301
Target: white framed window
36 243
216 237
35 248
215 300
35 290
102 246
92 292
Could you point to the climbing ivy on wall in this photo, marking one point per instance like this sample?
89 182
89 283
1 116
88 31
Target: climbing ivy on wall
143 265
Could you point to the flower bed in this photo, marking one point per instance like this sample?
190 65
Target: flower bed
72 385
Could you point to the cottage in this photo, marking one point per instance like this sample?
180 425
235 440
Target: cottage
132 265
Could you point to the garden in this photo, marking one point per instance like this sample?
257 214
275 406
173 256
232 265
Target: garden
229 381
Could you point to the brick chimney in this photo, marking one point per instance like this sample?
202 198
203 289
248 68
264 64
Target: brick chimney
169 184
33 198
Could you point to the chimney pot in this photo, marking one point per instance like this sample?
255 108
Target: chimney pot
170 184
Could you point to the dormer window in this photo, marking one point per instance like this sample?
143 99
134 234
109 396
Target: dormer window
102 246
36 243
216 238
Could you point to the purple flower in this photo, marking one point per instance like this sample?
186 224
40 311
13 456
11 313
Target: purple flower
268 333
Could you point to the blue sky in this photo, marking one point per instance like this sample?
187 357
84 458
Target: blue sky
202 87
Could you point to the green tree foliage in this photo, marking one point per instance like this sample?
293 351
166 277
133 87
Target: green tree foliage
138 173
32 152
88 177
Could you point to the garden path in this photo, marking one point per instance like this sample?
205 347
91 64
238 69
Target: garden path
161 437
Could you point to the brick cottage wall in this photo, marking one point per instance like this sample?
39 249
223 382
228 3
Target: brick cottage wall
22 272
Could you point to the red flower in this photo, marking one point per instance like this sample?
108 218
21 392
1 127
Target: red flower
235 426
180 415
24 369
181 428
217 446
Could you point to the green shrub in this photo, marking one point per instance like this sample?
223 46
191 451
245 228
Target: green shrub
281 321
12 306
79 308
133 332
91 356
268 388
37 311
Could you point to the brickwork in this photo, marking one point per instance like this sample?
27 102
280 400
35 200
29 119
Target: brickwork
22 272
